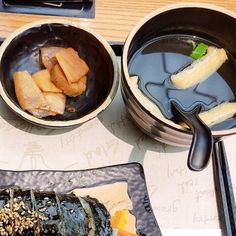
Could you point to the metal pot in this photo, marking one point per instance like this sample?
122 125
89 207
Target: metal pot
211 23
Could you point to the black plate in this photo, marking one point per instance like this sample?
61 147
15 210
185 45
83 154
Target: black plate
65 181
83 9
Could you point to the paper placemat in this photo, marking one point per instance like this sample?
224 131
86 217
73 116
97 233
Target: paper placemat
181 199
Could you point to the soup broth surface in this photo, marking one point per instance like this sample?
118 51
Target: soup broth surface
157 60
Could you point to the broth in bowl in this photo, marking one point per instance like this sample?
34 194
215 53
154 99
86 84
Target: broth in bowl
156 61
164 36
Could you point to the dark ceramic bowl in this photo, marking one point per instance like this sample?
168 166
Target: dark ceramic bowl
20 51
213 24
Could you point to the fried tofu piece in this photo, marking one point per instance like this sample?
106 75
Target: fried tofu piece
219 113
70 89
28 93
72 65
200 69
56 101
31 98
47 56
43 80
40 113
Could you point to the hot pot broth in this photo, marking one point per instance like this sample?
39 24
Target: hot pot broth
161 57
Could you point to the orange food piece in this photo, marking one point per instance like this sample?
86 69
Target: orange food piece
72 65
118 221
27 92
47 56
70 89
43 79
125 233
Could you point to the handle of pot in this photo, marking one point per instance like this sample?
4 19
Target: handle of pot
202 142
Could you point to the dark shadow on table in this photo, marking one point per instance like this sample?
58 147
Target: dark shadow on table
15 121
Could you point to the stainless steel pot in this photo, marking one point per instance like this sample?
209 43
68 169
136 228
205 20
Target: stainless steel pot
212 23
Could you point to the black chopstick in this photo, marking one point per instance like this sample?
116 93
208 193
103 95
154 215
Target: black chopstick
224 189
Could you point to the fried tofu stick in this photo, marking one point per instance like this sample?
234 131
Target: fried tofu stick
219 113
200 69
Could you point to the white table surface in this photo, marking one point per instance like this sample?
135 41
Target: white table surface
181 199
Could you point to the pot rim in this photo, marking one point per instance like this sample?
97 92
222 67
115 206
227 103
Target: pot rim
69 123
126 75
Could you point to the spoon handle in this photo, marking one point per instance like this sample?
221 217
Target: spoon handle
202 142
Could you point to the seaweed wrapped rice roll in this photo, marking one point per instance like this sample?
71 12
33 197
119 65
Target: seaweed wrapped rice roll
28 212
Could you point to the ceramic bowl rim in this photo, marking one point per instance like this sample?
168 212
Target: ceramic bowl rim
161 119
68 123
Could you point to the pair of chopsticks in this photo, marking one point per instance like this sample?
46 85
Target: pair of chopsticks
224 189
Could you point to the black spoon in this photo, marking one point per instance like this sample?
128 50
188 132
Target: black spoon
155 83
202 142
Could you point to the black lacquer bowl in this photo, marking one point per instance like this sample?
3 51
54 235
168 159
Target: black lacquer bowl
213 25
20 51
66 181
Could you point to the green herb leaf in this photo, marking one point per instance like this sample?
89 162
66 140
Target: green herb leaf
199 51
